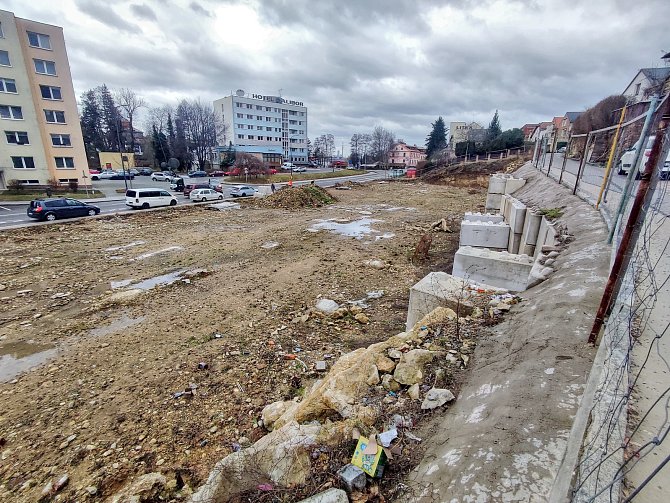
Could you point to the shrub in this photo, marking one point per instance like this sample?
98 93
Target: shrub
15 185
73 185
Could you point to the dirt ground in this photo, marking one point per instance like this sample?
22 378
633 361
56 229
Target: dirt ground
170 379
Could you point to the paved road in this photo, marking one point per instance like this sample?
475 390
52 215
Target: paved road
14 215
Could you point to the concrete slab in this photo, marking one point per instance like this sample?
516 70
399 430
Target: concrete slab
482 217
504 437
484 234
441 289
517 215
531 228
500 269
513 184
493 202
497 184
514 243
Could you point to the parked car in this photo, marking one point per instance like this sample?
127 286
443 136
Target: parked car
120 175
288 165
177 184
105 174
299 169
205 195
242 191
161 176
197 174
628 157
93 171
562 150
149 198
145 172
134 171
190 187
219 187
233 171
51 209
217 173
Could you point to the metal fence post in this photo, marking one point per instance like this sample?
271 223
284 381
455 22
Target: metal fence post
565 158
582 163
611 156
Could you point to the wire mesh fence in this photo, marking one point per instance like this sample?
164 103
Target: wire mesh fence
625 446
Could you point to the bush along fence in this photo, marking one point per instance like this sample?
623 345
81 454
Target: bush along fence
624 418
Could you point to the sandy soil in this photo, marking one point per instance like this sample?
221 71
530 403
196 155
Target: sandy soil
102 406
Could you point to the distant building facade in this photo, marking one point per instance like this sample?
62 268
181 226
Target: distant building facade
646 82
271 128
528 131
461 131
407 155
42 138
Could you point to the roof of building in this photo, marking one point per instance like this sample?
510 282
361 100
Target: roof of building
572 116
529 125
656 74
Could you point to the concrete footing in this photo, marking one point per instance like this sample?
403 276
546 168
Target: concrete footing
482 217
498 269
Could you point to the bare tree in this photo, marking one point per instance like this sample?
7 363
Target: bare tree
129 102
250 164
381 141
203 128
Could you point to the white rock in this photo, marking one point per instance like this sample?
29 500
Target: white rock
437 397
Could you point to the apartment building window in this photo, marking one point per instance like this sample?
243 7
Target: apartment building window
10 112
268 129
258 107
44 67
238 104
55 116
249 116
268 109
259 117
240 126
249 126
7 86
268 119
17 137
4 58
61 140
22 162
250 137
39 40
240 116
260 137
249 106
65 162
240 137
51 92
259 128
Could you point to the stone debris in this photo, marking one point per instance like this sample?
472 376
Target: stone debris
436 398
331 495
352 477
327 306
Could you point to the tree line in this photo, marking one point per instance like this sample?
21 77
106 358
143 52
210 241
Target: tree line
367 148
188 132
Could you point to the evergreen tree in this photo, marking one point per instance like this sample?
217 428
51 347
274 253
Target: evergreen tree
494 129
110 119
160 146
170 134
437 139
90 127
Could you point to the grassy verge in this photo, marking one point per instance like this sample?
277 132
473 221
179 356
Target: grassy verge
29 196
284 177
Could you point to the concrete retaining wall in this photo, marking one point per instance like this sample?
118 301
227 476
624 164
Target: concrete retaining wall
484 234
499 269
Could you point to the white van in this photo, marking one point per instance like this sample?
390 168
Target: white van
628 157
149 198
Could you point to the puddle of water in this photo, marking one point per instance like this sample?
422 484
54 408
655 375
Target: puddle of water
22 356
157 252
123 247
120 284
122 323
386 235
162 280
226 205
356 228
269 245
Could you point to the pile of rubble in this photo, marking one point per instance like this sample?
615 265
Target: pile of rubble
310 196
364 409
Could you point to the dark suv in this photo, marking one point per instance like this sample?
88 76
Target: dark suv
51 209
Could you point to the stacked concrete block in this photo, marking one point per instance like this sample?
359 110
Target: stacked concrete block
483 217
498 269
546 236
439 289
531 228
485 234
516 211
500 184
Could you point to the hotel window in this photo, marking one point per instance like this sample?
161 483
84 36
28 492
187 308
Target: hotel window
240 116
238 104
249 106
10 112
260 137
55 116
44 67
268 109
268 119
4 58
250 137
50 92
21 162
240 137
7 85
249 116
65 162
249 126
259 128
39 40
258 107
61 140
268 129
240 126
17 137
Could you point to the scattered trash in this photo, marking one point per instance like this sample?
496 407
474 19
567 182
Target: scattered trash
269 245
441 225
321 366
386 437
436 397
375 294
203 443
217 335
289 356
353 477
236 447
411 436
265 487
375 263
203 366
327 306
401 421
369 457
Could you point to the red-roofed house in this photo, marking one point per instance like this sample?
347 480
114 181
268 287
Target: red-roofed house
408 155
528 131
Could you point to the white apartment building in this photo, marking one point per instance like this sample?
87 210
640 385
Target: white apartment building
268 126
41 136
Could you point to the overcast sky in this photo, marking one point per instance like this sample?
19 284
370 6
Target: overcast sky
359 63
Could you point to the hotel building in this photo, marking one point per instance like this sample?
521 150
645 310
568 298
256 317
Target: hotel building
269 127
41 135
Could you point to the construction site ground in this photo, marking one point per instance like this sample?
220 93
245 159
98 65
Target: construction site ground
129 379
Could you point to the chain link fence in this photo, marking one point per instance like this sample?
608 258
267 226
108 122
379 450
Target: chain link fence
624 447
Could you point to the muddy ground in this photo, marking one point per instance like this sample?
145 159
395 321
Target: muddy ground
101 406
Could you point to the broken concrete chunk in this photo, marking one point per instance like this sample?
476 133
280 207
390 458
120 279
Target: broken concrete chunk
385 365
373 378
436 397
145 488
332 495
389 383
414 391
274 411
352 477
395 354
321 366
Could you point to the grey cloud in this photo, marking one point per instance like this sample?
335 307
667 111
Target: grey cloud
106 15
199 9
143 11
